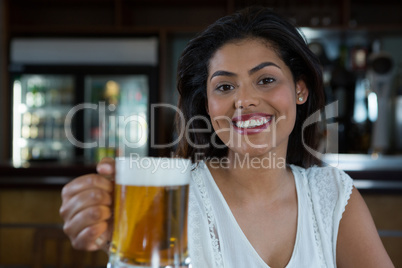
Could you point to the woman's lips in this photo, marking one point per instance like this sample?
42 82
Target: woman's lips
251 123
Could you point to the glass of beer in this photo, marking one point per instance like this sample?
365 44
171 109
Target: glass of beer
150 216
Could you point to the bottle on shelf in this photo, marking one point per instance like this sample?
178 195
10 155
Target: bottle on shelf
108 129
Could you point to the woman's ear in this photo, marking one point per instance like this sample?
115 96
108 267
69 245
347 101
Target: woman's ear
301 92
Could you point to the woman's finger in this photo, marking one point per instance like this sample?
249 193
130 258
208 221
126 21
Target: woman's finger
85 182
106 167
85 218
85 199
92 238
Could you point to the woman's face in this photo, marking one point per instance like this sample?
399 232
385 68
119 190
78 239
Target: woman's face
252 98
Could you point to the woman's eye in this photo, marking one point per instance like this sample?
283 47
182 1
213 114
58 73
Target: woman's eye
266 81
224 87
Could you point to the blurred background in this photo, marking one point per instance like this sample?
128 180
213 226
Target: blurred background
79 80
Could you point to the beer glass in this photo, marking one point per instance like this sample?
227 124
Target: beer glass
150 216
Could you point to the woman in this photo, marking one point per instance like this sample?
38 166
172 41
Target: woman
257 198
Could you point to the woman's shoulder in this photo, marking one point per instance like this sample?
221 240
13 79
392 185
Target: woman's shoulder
326 175
328 182
330 189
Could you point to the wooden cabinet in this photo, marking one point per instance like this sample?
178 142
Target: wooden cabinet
31 234
122 16
387 215
375 15
111 16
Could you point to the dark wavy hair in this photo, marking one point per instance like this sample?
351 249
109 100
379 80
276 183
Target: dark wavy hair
290 46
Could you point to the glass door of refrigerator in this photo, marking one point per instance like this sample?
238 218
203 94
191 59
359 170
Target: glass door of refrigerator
40 104
116 121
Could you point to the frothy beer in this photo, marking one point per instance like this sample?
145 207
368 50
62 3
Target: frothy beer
151 203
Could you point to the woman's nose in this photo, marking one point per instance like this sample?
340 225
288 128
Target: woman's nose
246 97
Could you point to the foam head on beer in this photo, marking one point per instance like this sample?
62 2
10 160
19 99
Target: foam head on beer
152 171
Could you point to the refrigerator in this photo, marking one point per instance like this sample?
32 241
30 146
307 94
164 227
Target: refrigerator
81 113
40 103
81 99
118 123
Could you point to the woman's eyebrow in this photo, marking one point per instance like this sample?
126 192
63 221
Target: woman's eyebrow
262 65
222 73
253 70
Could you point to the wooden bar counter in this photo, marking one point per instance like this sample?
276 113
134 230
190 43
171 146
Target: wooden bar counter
31 232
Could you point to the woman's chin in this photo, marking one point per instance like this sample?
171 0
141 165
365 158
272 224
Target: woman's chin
252 151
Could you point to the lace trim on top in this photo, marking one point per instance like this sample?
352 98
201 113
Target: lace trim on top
317 234
331 188
210 216
348 185
194 220
327 196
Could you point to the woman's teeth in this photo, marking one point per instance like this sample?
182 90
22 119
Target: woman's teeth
251 123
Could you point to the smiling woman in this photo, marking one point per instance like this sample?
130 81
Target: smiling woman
254 91
257 197
290 54
253 77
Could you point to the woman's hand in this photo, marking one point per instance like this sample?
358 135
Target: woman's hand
87 208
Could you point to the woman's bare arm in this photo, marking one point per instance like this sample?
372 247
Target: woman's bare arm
359 244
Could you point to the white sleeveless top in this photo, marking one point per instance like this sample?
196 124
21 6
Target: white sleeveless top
216 240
